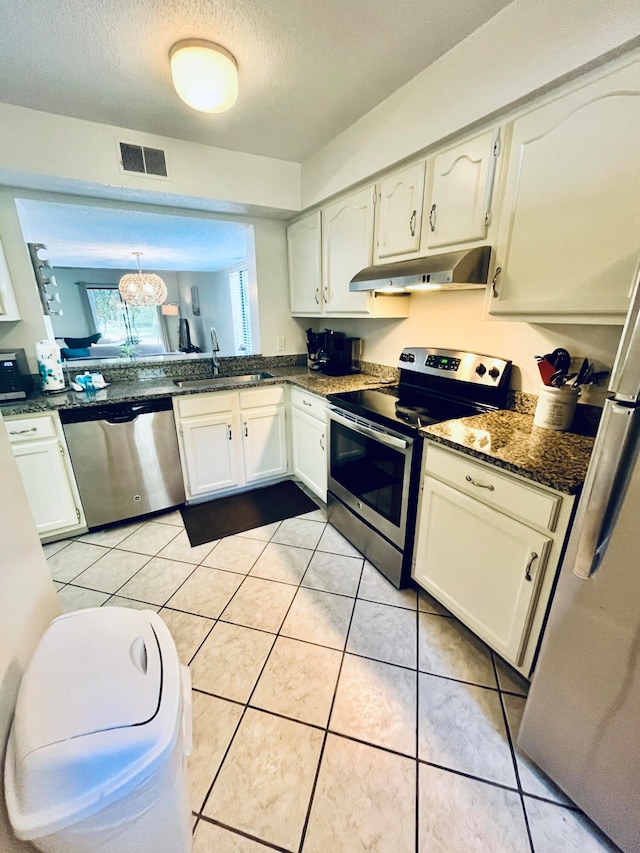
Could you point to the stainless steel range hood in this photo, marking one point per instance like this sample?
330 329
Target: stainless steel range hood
465 270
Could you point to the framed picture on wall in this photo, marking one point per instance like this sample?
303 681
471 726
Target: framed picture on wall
195 301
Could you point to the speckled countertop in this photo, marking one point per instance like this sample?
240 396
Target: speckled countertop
147 389
510 441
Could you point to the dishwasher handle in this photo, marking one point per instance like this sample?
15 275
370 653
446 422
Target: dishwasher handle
114 413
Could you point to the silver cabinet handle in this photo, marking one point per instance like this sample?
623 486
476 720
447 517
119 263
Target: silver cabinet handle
322 441
432 218
317 295
412 223
246 429
473 482
325 294
229 428
22 431
304 403
494 282
527 571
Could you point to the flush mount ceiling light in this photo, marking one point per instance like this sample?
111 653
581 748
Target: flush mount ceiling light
205 75
142 288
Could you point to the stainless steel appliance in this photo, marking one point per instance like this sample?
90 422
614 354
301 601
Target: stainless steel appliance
16 383
581 722
375 446
125 459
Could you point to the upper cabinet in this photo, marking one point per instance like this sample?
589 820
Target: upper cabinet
305 270
569 239
326 249
8 305
459 207
399 199
347 245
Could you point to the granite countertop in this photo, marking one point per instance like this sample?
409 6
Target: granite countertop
509 440
148 389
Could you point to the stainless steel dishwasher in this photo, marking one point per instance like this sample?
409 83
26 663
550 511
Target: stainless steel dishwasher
125 458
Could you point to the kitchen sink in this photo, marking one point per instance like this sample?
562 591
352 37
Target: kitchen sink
244 379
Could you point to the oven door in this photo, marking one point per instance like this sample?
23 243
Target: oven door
369 471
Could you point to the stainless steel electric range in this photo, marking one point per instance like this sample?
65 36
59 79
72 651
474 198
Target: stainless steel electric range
375 447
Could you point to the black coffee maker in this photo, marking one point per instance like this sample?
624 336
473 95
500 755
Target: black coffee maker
333 353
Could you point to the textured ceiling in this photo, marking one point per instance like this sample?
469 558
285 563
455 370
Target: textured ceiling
79 235
307 68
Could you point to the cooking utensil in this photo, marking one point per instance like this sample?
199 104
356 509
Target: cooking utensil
585 368
546 369
560 379
561 359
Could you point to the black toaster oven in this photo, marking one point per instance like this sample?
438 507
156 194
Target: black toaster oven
16 383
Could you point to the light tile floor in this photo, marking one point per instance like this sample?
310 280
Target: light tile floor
332 713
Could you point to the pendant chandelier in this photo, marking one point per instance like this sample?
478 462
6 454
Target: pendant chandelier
142 288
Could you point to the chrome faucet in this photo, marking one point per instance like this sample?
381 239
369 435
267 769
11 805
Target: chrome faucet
215 349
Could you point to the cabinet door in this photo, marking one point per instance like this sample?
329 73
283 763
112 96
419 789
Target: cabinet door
347 229
8 305
210 453
309 445
569 238
42 467
459 207
482 565
304 251
399 213
264 442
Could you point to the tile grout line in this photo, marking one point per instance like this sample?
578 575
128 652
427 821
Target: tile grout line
305 825
417 764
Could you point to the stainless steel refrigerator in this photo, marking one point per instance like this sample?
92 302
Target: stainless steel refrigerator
581 723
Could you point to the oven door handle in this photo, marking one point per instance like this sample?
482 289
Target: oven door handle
382 437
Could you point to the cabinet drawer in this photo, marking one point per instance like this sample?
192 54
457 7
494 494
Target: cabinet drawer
498 490
25 429
205 404
309 403
272 395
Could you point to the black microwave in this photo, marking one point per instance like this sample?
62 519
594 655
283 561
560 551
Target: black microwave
16 383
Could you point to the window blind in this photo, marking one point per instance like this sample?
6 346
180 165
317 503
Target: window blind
240 310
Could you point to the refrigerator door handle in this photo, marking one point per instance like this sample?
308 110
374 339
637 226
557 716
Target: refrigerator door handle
624 381
604 488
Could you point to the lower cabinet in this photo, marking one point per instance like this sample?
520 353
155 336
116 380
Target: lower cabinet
309 440
487 547
229 439
43 461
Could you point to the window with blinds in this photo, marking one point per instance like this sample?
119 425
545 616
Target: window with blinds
240 309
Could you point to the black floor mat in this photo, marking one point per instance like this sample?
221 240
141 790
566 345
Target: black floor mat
225 516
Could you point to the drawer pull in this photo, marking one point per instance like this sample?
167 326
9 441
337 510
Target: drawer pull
527 571
473 482
22 431
322 441
304 403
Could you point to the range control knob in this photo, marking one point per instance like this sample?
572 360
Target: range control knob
494 372
481 370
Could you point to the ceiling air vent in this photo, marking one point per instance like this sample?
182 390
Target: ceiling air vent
143 161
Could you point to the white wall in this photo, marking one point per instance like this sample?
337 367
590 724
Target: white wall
457 320
525 47
46 151
215 309
27 604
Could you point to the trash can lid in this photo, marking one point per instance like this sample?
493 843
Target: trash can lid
97 711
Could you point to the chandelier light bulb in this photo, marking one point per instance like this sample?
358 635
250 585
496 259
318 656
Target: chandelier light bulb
205 75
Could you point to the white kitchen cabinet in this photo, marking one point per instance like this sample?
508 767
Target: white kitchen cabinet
487 547
398 215
264 440
569 238
43 461
347 244
304 249
458 209
8 305
309 440
230 439
210 455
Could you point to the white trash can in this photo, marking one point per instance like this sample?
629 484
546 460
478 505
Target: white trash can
96 757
